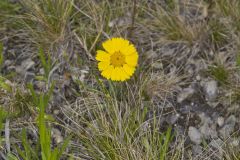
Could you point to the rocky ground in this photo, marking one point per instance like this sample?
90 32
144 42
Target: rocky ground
194 85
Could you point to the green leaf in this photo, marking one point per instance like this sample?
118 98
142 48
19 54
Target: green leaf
34 95
1 55
46 62
238 60
64 146
11 157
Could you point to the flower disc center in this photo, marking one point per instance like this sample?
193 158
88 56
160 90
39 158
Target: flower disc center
117 59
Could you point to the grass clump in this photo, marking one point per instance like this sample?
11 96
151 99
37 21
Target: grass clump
47 20
229 9
46 63
44 144
231 153
34 103
117 128
238 60
220 73
171 24
3 116
7 11
19 102
219 33
1 56
95 21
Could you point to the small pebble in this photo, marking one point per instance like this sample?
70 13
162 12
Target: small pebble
56 134
220 121
194 135
186 92
211 90
228 128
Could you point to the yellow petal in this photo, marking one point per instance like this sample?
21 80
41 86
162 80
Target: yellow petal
123 74
102 56
108 46
130 49
132 59
128 69
120 43
118 71
115 74
103 65
115 44
107 72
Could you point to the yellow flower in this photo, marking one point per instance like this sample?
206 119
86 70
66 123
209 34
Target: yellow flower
118 61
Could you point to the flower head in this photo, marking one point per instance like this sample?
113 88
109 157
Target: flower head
118 61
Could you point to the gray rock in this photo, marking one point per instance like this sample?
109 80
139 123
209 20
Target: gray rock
220 121
41 71
7 62
194 135
41 85
185 109
196 150
29 77
179 130
27 64
172 119
186 92
198 77
11 68
211 90
228 127
208 128
56 112
56 134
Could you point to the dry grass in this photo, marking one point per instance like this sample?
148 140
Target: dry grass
47 21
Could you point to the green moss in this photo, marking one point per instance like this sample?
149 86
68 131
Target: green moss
219 73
